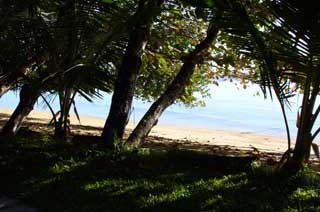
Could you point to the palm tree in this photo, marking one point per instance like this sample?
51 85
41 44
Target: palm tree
68 47
301 58
289 48
22 54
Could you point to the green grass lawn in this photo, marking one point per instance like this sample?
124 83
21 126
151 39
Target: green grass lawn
88 178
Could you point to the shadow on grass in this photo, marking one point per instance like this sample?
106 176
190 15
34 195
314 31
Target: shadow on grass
88 178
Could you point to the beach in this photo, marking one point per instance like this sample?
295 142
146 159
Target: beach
236 139
228 109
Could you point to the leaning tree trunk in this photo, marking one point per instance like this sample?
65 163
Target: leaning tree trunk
128 72
28 98
173 92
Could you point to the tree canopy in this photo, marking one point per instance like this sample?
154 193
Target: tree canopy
161 51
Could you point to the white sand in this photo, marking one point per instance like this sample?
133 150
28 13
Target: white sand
241 140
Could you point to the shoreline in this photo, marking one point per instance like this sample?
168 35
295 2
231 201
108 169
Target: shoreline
238 139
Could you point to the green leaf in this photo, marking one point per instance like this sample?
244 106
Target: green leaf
107 1
209 3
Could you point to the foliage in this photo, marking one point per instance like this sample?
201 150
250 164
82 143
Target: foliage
101 29
175 33
68 47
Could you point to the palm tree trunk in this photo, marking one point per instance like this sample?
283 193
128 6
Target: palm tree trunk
173 92
300 156
128 72
28 98
62 128
301 152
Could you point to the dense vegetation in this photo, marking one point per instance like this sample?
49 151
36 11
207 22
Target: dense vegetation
165 52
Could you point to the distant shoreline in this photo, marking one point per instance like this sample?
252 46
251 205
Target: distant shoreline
228 109
238 139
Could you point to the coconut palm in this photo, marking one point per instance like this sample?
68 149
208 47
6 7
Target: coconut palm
288 44
71 43
300 55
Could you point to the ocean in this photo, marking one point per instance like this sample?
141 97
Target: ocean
229 108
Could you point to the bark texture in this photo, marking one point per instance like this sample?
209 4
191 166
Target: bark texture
28 98
128 72
174 90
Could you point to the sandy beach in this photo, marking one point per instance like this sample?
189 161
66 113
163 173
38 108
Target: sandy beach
239 140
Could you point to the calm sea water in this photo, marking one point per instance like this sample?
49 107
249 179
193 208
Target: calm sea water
228 108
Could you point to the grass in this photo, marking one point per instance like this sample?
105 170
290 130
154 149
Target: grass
86 177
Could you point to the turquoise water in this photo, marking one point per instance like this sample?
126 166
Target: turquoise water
228 108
